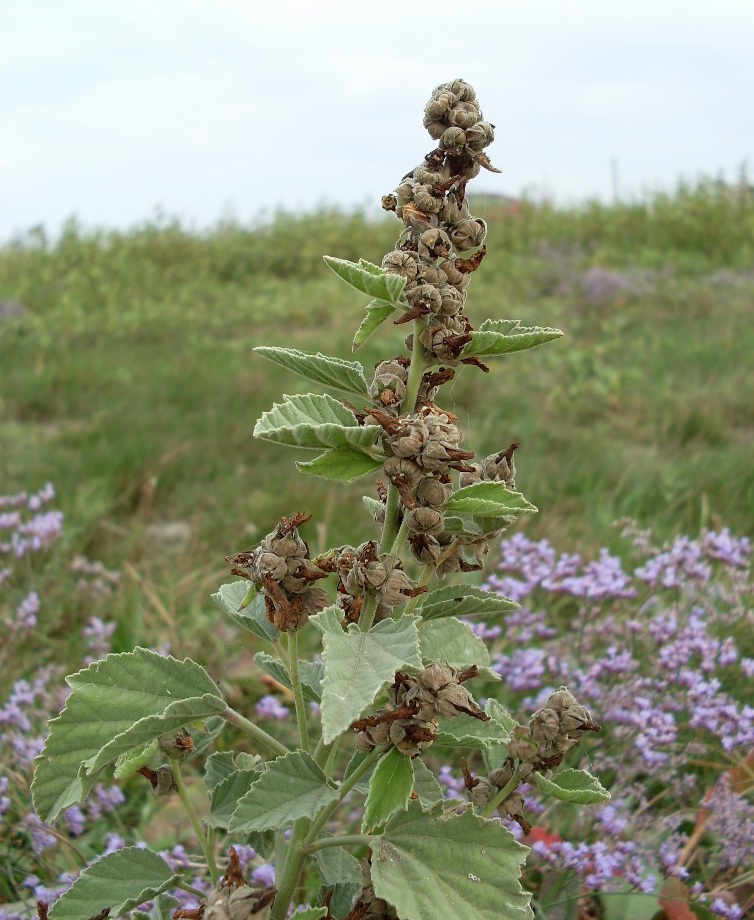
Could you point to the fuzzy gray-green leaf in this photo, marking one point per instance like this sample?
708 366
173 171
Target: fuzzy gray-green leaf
108 699
226 794
576 786
314 422
462 601
291 787
389 790
358 665
488 499
347 376
426 785
377 312
488 344
435 868
344 464
310 672
369 279
119 881
452 642
252 617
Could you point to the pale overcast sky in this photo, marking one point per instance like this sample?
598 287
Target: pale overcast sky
112 110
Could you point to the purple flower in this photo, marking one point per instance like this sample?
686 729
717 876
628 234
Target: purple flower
269 707
264 875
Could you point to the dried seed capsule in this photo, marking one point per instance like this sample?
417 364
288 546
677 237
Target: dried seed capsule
432 492
426 199
435 128
545 725
461 90
453 140
469 479
463 115
427 176
426 520
451 300
439 105
480 135
426 294
401 263
468 234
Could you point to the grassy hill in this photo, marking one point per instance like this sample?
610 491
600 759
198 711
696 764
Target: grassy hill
131 383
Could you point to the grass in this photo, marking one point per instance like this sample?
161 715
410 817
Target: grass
131 382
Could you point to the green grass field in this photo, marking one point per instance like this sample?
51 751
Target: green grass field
131 382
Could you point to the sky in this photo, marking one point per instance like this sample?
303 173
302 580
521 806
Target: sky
115 112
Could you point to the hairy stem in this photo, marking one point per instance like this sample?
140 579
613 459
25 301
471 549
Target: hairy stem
512 784
344 840
345 787
368 610
266 742
298 693
294 863
195 822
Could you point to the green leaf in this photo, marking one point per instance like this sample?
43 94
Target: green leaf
121 881
467 732
226 795
462 601
252 617
426 785
488 499
291 787
369 279
341 874
310 913
357 665
310 672
434 868
342 896
362 786
495 754
314 422
330 372
502 326
117 704
218 767
337 865
389 790
576 786
344 464
488 344
372 505
377 312
127 764
450 641
174 716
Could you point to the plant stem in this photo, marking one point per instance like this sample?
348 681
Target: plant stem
289 877
328 767
416 370
345 840
390 527
269 744
368 610
185 886
512 783
345 787
298 693
194 819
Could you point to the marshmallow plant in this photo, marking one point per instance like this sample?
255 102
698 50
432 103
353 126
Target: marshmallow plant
359 824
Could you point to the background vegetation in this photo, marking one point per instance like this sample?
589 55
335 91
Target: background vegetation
129 382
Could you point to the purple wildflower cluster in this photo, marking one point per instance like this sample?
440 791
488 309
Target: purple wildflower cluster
660 649
27 526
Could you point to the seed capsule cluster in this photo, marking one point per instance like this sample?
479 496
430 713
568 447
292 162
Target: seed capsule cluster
280 567
434 255
535 748
408 720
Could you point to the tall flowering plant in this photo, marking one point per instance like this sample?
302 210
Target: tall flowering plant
394 663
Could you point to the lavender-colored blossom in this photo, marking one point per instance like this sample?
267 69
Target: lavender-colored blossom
264 875
75 820
41 837
98 635
26 613
269 707
113 842
725 910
